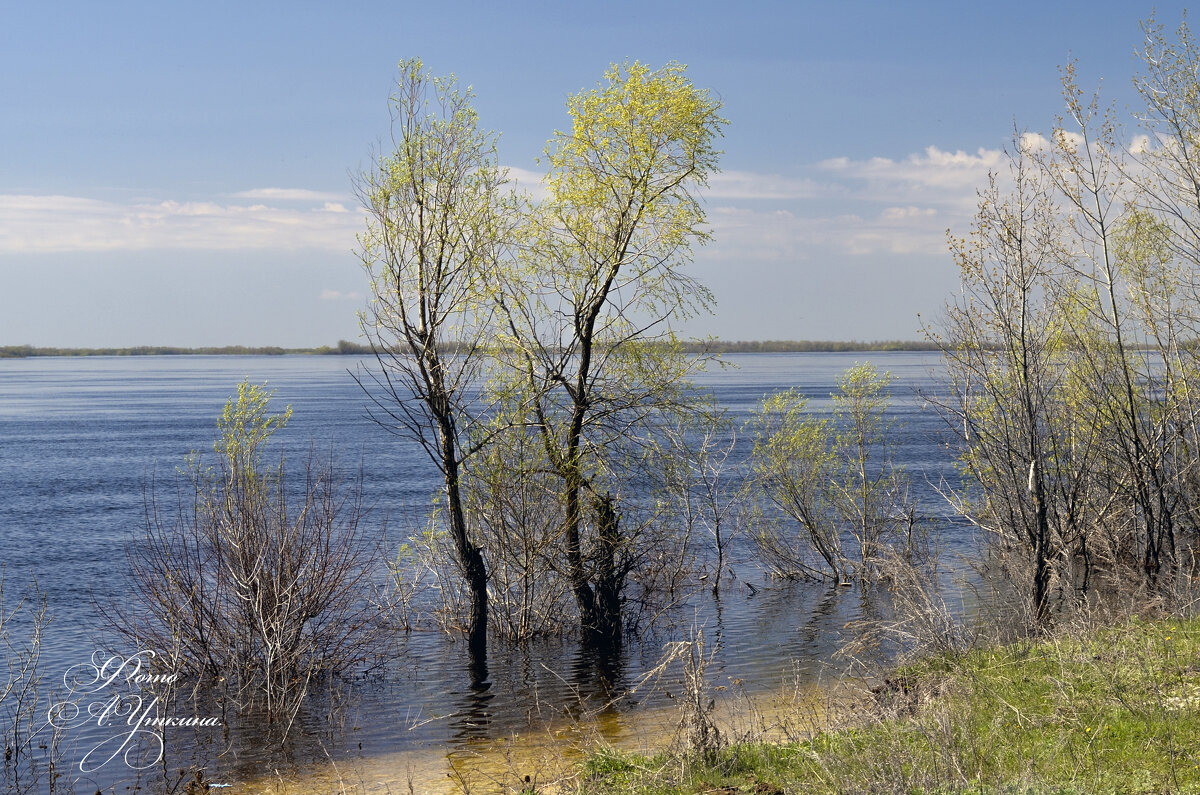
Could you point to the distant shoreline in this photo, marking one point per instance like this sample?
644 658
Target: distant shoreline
345 348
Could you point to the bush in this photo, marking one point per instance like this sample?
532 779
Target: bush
32 753
834 479
248 584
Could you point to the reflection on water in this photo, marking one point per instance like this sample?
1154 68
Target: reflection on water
79 439
473 718
547 756
546 697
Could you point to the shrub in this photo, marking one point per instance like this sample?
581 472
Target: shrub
249 582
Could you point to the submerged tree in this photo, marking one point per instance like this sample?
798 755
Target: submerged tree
29 757
871 492
699 483
791 467
436 226
510 499
590 304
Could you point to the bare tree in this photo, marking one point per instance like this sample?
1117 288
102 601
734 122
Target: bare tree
1086 167
31 745
1003 342
1075 434
701 484
434 234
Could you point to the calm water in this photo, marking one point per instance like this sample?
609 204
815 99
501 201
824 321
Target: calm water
81 438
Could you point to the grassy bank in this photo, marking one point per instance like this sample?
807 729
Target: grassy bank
1115 709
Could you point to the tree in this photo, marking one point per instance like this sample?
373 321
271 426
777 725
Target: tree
699 483
1086 166
510 498
1070 352
1163 253
436 226
590 304
1000 342
28 758
871 494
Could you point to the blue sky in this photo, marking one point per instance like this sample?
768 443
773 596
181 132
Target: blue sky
180 173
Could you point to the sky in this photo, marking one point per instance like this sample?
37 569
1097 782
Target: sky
180 173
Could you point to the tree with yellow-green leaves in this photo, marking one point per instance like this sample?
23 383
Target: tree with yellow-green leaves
831 478
589 304
559 313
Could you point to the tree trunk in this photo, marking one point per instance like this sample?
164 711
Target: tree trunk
1041 546
606 629
585 598
469 555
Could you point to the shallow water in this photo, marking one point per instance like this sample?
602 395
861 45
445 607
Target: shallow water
81 439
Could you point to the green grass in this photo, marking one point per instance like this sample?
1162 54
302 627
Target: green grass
1114 710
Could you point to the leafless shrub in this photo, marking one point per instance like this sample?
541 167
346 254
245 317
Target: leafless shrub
244 583
700 735
701 485
511 499
426 590
912 618
34 759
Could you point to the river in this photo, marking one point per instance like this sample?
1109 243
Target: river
81 440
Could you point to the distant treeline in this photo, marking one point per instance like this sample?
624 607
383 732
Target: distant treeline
345 347
24 351
804 346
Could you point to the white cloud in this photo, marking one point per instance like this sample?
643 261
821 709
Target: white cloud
1035 143
935 176
1032 143
31 224
338 295
910 212
288 194
750 185
529 181
781 236
729 185
885 207
877 206
762 235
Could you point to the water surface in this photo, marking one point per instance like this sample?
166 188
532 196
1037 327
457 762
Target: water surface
81 440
